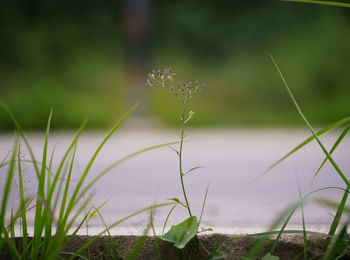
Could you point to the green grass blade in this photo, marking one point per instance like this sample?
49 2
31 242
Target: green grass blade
288 213
22 205
203 205
66 189
155 236
40 214
21 132
286 216
74 233
337 217
7 191
48 222
111 242
342 255
303 221
77 256
305 142
336 243
167 217
13 250
329 157
339 140
283 227
73 200
139 244
338 4
63 160
117 223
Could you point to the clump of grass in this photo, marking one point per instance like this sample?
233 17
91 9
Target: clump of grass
56 211
336 243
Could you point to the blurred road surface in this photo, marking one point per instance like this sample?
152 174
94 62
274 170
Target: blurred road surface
231 158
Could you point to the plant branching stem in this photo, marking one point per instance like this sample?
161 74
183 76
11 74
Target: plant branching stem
180 157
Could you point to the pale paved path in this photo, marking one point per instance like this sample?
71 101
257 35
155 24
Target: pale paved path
231 157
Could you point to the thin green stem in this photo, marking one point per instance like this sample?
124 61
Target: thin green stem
180 157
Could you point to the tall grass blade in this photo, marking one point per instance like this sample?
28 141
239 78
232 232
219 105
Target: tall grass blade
111 242
342 255
66 189
167 218
329 157
63 160
117 223
12 246
7 191
139 244
76 230
337 217
340 138
21 132
330 3
22 206
303 222
336 243
48 221
40 215
203 205
305 142
286 216
155 235
73 199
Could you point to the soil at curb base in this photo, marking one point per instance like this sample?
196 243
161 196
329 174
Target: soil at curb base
289 247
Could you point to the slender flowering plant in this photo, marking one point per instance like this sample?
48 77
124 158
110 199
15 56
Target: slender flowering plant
183 91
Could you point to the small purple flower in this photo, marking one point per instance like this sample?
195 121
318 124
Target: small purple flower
165 70
169 69
158 72
204 85
149 75
187 86
182 88
197 82
171 86
174 74
179 83
148 82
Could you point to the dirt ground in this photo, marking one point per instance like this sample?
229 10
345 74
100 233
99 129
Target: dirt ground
289 247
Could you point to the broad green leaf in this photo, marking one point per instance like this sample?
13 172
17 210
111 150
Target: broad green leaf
268 256
182 233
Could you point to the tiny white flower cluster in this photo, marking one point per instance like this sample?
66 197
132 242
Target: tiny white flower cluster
184 90
159 77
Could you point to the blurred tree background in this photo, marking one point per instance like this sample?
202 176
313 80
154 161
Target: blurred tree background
80 58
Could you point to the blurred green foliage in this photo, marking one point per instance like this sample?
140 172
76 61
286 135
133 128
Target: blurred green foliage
73 56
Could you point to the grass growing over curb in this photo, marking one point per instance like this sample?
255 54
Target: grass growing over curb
54 206
336 243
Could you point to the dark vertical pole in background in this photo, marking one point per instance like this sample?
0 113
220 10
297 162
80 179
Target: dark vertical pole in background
137 37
